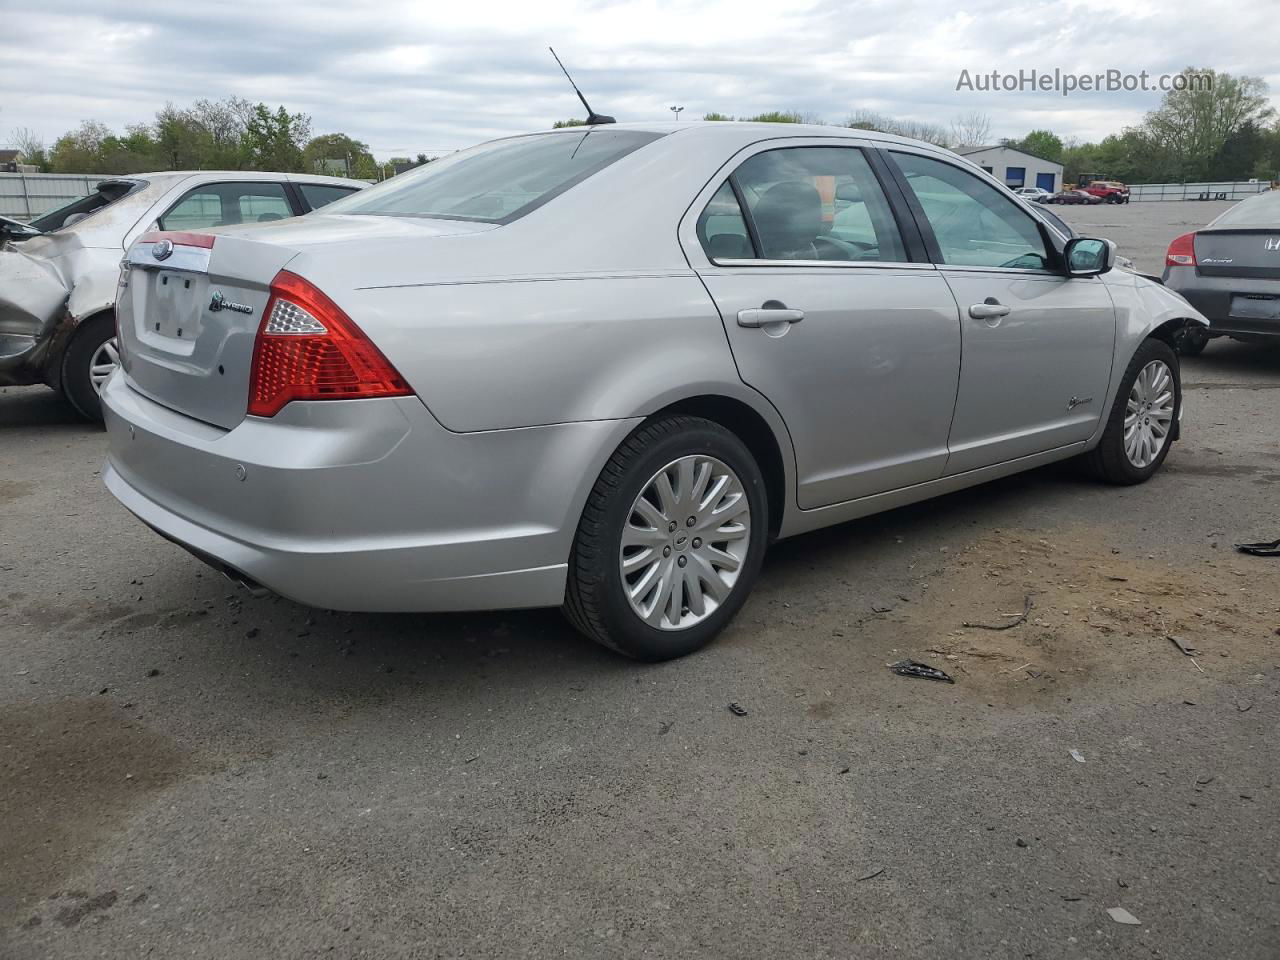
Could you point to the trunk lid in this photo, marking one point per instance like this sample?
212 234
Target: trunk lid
188 316
1252 253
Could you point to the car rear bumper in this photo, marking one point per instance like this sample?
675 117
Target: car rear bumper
362 505
1214 297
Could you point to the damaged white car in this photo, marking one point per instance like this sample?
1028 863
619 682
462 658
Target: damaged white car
58 274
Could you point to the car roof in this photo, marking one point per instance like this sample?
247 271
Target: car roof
750 131
242 175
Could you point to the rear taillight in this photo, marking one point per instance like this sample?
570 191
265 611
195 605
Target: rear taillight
1182 252
308 349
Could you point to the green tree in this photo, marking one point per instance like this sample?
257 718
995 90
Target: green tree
1193 124
716 116
80 150
1241 154
31 148
561 124
1040 143
354 157
274 141
778 116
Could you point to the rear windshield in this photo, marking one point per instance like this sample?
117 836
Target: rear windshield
499 181
1260 211
107 193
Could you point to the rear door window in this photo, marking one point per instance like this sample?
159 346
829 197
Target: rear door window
812 203
224 204
722 231
319 194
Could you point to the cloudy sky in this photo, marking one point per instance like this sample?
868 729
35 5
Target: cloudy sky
426 75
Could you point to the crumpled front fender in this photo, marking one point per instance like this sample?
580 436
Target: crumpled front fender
33 316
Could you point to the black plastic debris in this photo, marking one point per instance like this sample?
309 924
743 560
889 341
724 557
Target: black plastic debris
737 711
1271 549
910 668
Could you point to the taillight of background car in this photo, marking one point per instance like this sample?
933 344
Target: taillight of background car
308 349
1182 252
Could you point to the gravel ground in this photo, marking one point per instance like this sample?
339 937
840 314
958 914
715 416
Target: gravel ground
185 770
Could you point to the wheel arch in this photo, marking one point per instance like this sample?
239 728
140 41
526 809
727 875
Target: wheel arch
772 452
65 334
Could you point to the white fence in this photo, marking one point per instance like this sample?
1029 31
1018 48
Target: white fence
27 195
1208 190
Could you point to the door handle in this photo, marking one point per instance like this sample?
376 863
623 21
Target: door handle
990 309
759 316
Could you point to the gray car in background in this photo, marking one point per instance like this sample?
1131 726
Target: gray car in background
1230 271
58 273
602 368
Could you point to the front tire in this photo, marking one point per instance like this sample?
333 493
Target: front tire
1141 425
670 541
90 359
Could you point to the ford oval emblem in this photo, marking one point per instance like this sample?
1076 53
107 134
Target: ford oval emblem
163 249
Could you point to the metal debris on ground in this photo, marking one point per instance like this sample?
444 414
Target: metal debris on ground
1271 549
1121 915
911 668
737 711
1077 756
1019 618
1182 645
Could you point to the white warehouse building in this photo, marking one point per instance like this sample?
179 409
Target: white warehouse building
1016 168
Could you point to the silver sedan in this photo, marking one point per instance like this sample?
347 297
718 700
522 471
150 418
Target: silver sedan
603 368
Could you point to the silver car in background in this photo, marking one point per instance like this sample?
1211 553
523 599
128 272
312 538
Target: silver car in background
58 274
604 367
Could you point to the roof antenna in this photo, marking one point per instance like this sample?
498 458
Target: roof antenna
592 117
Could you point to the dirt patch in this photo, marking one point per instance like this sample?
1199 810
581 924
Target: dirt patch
71 773
11 490
1095 613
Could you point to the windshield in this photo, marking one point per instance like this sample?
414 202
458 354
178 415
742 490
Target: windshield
499 181
1260 211
108 192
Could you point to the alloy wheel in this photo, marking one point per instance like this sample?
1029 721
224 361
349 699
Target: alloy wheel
103 363
1148 414
684 542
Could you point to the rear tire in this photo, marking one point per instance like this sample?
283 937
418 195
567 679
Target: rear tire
721 550
1139 411
85 362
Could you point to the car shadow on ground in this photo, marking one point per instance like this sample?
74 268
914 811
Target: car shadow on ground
28 407
359 661
1226 357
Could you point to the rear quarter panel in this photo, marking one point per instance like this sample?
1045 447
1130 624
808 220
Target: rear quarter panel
528 352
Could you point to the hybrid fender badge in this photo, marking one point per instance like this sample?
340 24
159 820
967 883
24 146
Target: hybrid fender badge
219 302
162 249
1078 402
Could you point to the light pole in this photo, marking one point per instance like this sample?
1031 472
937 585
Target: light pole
676 111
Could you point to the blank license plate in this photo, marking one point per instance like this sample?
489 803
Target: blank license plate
1256 308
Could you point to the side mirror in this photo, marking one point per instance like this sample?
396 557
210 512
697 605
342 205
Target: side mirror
1089 256
16 230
